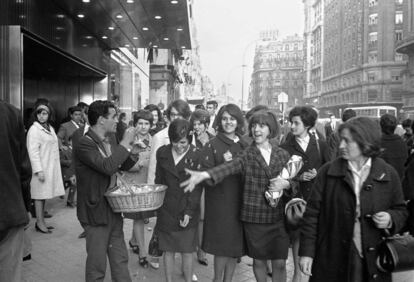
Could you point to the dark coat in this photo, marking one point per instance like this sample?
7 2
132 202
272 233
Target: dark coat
312 158
408 188
15 170
395 152
65 131
93 172
223 202
176 202
256 175
328 224
66 163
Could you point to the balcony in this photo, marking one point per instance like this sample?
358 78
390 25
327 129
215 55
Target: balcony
406 46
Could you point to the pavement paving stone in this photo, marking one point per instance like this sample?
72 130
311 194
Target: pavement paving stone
61 256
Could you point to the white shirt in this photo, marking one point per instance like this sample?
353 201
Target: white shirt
158 140
76 125
266 152
303 142
177 158
358 177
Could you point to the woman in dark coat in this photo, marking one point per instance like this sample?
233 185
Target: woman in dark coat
263 225
314 153
223 201
354 199
178 217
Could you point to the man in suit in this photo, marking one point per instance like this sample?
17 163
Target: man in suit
15 176
330 127
68 128
212 109
98 159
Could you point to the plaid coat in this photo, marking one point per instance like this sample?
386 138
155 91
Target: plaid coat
256 175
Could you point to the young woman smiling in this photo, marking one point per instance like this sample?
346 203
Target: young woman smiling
264 226
223 200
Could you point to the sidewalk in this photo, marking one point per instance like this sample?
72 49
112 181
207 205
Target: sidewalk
61 256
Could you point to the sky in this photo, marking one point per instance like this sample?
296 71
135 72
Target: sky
228 28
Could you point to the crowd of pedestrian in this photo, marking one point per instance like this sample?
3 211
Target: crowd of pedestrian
356 180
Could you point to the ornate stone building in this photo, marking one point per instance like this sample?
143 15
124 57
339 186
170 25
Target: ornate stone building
278 67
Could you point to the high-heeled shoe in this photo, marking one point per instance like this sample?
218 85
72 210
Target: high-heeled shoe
143 262
42 231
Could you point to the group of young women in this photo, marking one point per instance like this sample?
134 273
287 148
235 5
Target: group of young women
234 176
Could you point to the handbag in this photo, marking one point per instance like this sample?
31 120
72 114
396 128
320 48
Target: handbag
153 246
396 253
294 211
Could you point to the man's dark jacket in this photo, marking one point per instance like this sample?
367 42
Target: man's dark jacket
395 152
93 172
15 170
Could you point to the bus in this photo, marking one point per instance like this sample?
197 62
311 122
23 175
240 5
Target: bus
374 111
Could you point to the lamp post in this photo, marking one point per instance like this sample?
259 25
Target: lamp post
243 67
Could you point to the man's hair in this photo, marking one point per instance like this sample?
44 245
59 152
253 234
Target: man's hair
200 107
97 109
388 124
143 114
83 106
407 123
307 114
121 116
74 109
182 108
180 128
213 102
347 114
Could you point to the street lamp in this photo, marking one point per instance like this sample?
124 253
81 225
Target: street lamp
243 67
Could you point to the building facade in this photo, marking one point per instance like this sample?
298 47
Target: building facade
359 65
313 55
278 67
406 46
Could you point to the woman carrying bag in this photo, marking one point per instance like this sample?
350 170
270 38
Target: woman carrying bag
354 199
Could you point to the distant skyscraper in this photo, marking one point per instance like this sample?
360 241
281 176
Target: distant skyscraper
406 46
278 67
356 60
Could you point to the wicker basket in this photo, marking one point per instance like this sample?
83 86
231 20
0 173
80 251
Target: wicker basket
137 202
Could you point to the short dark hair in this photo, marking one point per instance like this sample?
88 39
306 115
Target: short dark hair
83 106
407 123
151 108
347 114
388 124
235 112
213 102
366 133
268 118
143 114
121 116
97 109
307 114
200 115
200 107
42 102
255 109
182 108
74 109
179 129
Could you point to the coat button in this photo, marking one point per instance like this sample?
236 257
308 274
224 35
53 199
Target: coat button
368 187
371 249
374 276
368 215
